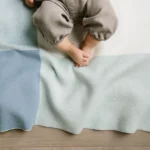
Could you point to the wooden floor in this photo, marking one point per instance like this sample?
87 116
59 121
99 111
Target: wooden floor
41 138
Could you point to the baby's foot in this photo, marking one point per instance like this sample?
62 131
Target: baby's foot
75 53
80 57
87 50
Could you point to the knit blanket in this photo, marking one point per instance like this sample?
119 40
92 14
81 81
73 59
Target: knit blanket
40 86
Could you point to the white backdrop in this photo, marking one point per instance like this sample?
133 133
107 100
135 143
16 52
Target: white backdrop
133 34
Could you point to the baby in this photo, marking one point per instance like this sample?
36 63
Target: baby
55 20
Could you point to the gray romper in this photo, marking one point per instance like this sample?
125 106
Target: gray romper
55 18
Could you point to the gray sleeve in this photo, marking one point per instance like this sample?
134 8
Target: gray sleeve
53 22
100 19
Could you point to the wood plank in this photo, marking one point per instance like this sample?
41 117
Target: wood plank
81 148
48 137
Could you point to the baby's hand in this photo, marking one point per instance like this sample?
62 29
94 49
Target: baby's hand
30 3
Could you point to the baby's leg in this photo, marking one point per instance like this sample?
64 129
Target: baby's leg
55 24
88 45
100 20
80 57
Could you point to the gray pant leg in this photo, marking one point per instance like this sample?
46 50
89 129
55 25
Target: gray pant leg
100 19
52 21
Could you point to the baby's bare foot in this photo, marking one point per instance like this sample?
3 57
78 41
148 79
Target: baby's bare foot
75 53
80 57
87 50
89 44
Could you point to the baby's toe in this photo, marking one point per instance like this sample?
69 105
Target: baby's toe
83 64
86 64
86 55
75 64
79 64
85 60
